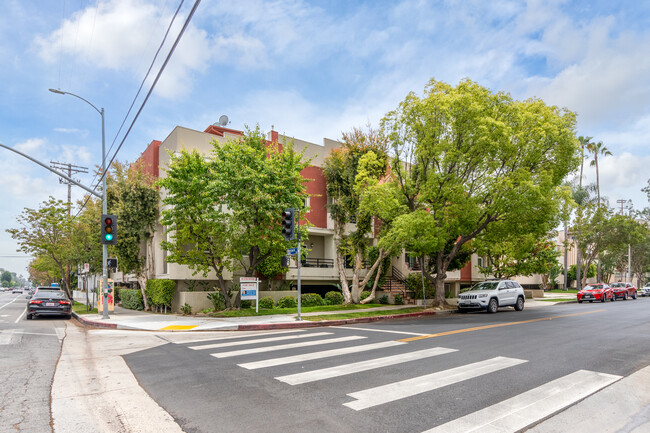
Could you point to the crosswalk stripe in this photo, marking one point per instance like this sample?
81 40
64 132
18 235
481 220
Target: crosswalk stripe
318 355
285 346
232 337
357 367
410 387
518 412
258 340
389 331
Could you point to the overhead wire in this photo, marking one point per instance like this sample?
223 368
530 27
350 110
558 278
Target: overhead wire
140 89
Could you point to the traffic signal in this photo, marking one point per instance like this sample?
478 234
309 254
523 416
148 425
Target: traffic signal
288 223
109 230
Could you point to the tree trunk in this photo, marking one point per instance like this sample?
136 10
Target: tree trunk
345 290
374 285
222 286
356 289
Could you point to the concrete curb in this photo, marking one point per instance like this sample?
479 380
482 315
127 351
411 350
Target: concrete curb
323 323
92 324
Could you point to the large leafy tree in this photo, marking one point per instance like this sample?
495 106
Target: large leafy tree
256 180
353 172
467 158
135 200
46 232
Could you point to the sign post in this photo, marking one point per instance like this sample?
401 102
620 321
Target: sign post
248 287
109 294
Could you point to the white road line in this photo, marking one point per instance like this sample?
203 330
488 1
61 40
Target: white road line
356 367
21 315
8 303
285 346
258 340
525 409
60 333
407 388
388 331
318 355
231 337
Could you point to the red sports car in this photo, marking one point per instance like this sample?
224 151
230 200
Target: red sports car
595 292
624 290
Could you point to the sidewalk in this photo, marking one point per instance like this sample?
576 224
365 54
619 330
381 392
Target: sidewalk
122 318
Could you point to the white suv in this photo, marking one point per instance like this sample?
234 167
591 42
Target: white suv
490 295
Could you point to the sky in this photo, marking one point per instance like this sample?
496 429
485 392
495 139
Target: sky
309 69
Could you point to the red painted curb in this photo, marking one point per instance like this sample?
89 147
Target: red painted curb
332 322
93 324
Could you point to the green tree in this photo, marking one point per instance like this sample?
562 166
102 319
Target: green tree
353 174
46 232
6 278
598 149
467 158
85 236
196 223
135 200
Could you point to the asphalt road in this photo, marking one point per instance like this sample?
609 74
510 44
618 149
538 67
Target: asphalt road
29 350
418 375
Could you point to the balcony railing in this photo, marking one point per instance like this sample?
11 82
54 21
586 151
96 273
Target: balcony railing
316 263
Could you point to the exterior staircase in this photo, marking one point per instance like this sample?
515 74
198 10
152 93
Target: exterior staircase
396 284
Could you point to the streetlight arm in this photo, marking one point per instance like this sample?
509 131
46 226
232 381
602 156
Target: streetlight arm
61 92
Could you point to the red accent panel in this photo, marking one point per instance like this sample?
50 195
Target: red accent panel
466 272
220 130
316 188
150 158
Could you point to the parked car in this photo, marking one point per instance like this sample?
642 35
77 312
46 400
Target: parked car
49 303
624 290
596 292
17 290
490 295
645 290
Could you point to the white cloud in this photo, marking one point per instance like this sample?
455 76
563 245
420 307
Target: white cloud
31 145
124 35
621 177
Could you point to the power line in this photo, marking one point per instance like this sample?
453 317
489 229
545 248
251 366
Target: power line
153 85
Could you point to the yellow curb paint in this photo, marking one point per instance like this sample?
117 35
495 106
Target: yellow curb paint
479 328
178 327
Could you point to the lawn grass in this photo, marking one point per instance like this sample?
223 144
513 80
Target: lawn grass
356 314
562 291
251 311
80 308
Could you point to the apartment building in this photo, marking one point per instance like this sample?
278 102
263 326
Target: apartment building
318 271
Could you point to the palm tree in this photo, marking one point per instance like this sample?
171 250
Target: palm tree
598 149
584 142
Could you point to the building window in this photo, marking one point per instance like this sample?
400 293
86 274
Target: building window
479 262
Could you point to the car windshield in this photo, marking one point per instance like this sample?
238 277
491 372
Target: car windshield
618 285
50 294
486 285
593 287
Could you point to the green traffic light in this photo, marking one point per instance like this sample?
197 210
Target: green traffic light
108 237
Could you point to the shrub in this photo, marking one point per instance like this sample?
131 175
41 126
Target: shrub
287 302
414 284
217 300
365 294
160 293
132 299
246 303
399 300
311 300
186 309
383 299
267 303
334 298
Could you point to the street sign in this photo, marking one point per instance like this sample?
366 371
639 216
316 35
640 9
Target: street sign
292 251
111 263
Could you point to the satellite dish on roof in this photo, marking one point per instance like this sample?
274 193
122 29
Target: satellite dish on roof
223 120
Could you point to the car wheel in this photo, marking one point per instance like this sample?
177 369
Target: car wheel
519 305
634 295
625 296
603 298
68 316
28 316
493 306
613 297
580 301
591 302
462 310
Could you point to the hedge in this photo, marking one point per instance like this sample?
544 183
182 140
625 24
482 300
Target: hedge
334 298
287 302
311 300
131 299
160 293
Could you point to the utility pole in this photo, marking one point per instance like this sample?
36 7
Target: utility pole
70 169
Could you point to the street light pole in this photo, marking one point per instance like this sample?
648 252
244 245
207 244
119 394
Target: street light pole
104 201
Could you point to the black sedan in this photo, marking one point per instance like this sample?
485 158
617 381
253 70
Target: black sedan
49 303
